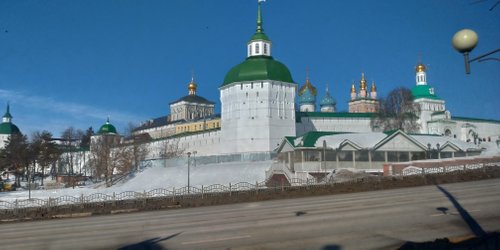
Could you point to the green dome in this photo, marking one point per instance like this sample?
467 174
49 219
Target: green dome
424 91
259 36
7 128
258 68
107 128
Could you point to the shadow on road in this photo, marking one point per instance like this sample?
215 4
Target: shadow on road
482 240
150 244
331 247
473 225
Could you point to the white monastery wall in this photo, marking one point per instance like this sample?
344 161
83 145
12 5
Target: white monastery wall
208 143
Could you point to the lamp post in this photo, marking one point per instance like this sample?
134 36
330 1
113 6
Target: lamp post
464 41
189 158
428 150
438 151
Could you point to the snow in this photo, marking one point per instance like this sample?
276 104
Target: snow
364 140
442 140
490 149
162 177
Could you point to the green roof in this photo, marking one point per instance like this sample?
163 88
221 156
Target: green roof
257 68
107 128
291 140
7 128
474 119
259 36
424 91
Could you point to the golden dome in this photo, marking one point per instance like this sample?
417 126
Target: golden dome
420 68
192 87
353 88
308 85
374 89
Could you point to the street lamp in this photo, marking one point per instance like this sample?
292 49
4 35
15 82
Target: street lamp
464 41
189 158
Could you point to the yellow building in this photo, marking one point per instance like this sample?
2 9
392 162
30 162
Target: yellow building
199 125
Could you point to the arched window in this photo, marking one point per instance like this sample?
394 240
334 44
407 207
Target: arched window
447 132
257 48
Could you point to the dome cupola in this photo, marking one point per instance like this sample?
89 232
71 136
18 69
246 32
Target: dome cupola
7 117
420 75
192 86
259 44
328 103
107 128
307 93
420 68
7 127
259 64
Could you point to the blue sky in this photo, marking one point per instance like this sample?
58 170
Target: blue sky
73 63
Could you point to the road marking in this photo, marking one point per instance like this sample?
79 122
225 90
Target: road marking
217 239
434 215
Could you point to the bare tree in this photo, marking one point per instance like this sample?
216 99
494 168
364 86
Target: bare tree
138 144
397 111
71 139
170 148
101 157
109 157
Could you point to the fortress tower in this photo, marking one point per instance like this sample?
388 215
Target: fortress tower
257 99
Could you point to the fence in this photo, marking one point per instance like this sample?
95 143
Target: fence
440 166
100 203
128 195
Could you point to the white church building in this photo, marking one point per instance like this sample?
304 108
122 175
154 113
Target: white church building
261 105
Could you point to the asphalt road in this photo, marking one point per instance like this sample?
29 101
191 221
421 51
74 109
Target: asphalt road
368 220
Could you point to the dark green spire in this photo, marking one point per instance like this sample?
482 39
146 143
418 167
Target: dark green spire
259 33
7 114
259 20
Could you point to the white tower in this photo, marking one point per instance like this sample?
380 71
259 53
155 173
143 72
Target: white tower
7 128
427 99
257 100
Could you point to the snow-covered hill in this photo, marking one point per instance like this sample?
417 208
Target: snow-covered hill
163 177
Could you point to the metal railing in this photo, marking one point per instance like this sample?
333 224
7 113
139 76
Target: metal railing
213 190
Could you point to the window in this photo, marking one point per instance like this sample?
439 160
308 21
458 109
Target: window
378 156
265 48
249 49
257 48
